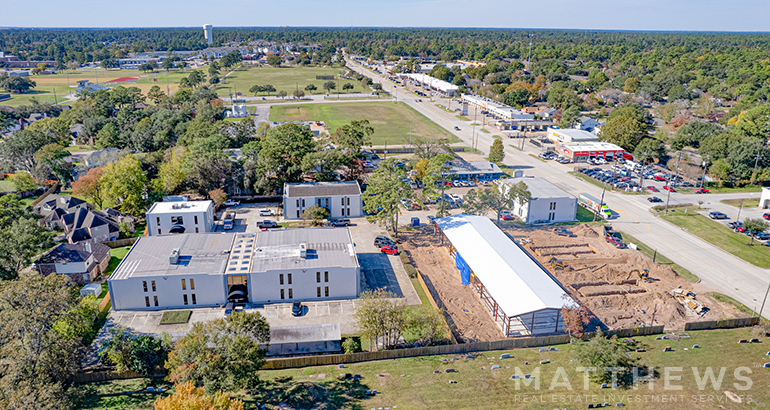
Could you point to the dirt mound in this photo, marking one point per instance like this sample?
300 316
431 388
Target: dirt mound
585 231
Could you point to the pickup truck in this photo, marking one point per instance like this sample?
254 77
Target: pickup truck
231 202
337 222
266 224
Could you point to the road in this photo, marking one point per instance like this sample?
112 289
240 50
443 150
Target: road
717 269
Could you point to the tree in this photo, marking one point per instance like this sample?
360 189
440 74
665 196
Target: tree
496 151
323 165
23 181
381 316
435 180
50 160
298 93
354 136
348 86
516 97
213 69
282 93
280 156
147 353
693 133
427 148
39 355
24 240
11 209
569 116
274 61
155 94
329 86
231 59
218 196
575 317
315 213
624 131
186 396
605 355
195 78
755 123
117 350
473 204
90 187
15 84
755 225
649 149
500 197
214 80
631 85
18 150
267 88
384 193
310 88
122 96
108 137
123 184
721 169
221 354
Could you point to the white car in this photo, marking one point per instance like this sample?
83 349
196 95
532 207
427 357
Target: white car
231 202
266 212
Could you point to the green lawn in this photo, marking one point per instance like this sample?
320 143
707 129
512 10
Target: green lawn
175 317
462 117
80 148
285 78
721 236
7 186
659 258
116 256
729 190
95 395
391 121
747 202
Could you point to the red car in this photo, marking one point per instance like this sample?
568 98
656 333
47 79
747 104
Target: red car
740 229
652 188
390 250
513 218
766 216
668 188
701 191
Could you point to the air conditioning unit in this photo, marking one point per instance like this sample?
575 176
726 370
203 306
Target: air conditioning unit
303 250
173 258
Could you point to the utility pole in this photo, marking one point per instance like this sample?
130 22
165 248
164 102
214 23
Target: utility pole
601 201
763 301
168 89
668 183
473 126
641 173
756 162
703 178
740 208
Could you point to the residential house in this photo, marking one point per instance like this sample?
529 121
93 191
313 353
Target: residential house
82 262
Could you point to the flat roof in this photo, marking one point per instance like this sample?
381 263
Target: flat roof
539 187
326 247
316 189
518 284
205 253
474 167
579 135
591 146
180 207
432 81
305 333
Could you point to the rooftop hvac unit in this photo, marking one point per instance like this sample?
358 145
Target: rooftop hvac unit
174 257
303 250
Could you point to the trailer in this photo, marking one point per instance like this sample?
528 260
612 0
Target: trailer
594 205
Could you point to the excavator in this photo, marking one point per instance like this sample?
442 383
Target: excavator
557 264
644 274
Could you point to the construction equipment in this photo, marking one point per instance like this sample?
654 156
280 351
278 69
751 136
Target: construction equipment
557 264
524 241
687 298
644 274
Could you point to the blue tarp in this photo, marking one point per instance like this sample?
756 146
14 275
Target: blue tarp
465 270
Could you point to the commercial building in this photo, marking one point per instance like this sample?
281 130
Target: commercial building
82 262
342 199
496 108
212 269
764 199
547 203
570 135
180 217
582 151
474 171
517 291
442 86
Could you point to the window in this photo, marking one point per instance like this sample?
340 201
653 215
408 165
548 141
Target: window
156 300
282 297
326 291
298 204
158 219
153 287
326 276
193 298
552 207
290 280
342 201
147 298
318 293
177 220
297 213
196 219
303 202
290 294
192 284
348 209
158 231
144 284
185 299
318 277
184 285
196 229
348 201
280 280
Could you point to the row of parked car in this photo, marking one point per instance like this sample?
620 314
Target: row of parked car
609 177
737 226
550 155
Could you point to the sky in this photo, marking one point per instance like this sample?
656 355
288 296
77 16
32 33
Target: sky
667 15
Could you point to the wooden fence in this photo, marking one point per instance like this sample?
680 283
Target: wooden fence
722 324
52 189
406 150
444 315
102 374
121 242
506 344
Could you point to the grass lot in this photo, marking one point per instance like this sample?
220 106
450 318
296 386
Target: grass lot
462 117
728 190
286 79
74 149
390 120
738 305
175 317
584 215
721 236
7 186
116 256
747 202
649 252
484 131
94 395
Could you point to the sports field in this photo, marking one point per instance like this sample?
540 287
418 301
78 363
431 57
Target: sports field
285 78
391 120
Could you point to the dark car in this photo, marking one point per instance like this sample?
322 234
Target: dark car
766 215
296 309
717 215
562 232
457 128
762 236
381 241
266 224
654 199
338 222
735 225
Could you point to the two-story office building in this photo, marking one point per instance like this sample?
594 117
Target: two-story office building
547 203
180 217
342 199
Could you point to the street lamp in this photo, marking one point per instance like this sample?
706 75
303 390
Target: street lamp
668 183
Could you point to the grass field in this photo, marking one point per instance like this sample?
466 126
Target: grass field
116 256
7 186
747 202
649 252
175 317
721 236
391 121
286 79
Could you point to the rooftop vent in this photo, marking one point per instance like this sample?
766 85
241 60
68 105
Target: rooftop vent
303 250
173 258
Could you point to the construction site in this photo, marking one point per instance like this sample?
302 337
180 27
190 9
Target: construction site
620 286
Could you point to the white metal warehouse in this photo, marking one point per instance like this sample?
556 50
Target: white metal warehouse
520 295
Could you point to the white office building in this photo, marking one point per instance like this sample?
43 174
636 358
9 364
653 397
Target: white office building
496 108
547 204
212 269
180 217
434 83
342 199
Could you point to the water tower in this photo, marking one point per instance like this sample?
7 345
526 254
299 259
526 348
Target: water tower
207 32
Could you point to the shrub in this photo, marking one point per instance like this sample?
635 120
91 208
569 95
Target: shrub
351 345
